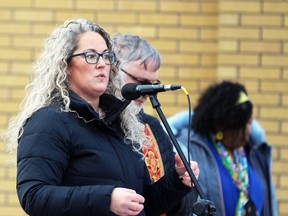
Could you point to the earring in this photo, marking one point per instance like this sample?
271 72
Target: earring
219 136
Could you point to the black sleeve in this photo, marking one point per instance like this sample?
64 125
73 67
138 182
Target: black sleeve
43 155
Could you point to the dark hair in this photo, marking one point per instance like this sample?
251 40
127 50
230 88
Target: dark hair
217 109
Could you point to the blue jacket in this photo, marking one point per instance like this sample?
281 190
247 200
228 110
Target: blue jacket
209 180
68 163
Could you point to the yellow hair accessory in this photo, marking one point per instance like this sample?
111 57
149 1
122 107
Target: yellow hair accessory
219 136
242 98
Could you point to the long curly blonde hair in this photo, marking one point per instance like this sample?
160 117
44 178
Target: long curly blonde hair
49 83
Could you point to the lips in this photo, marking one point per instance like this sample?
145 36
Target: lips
101 76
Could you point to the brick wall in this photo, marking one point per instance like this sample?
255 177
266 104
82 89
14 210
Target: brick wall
200 42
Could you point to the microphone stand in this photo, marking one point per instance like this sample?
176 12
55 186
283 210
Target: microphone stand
203 206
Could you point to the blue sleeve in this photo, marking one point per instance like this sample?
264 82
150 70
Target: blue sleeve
257 133
179 121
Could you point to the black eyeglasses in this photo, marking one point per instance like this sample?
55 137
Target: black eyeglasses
140 81
92 57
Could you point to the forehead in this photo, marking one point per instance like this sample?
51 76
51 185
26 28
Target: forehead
140 70
91 40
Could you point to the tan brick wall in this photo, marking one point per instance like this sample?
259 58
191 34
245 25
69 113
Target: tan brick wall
200 42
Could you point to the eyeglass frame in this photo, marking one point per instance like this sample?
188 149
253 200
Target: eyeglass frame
142 82
93 51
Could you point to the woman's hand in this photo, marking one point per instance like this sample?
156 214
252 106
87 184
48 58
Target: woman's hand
126 202
183 174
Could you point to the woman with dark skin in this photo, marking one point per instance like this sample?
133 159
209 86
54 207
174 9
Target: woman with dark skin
235 171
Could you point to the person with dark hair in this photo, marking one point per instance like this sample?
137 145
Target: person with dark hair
140 63
79 142
235 170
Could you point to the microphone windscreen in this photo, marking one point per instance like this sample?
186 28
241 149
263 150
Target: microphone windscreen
129 92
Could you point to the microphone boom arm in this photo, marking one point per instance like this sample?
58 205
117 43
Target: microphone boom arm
203 206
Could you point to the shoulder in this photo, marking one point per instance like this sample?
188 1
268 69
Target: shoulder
47 119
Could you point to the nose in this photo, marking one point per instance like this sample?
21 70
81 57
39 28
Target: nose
100 63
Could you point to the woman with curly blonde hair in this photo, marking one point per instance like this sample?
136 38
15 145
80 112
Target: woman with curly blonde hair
78 141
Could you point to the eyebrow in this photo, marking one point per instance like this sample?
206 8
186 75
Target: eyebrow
139 80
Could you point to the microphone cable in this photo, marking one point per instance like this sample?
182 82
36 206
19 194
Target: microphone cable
189 122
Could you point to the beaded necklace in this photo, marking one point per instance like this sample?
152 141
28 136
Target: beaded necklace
238 170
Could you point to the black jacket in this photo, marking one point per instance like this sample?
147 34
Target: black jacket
69 163
184 207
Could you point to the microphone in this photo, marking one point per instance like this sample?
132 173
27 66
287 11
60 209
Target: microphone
132 91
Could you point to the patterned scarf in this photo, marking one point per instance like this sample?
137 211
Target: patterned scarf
238 170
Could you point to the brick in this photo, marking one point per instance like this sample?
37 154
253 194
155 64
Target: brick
158 19
5 15
42 29
209 7
275 34
238 33
261 20
197 73
280 113
178 58
208 60
227 71
228 45
61 15
167 73
284 154
164 45
97 4
54 4
17 94
10 107
13 198
147 6
251 85
279 167
270 126
178 33
14 28
265 99
285 127
283 210
198 46
12 211
38 16
16 4
21 68
238 59
113 17
284 181
5 41
15 54
229 19
14 81
274 86
144 31
285 100
285 48
199 20
209 33
260 47
275 6
274 60
4 93
166 6
263 73
282 194
239 6
28 42
4 65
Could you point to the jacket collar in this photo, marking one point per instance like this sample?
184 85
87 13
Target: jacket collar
111 105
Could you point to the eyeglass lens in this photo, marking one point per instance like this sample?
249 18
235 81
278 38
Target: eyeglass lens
93 57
